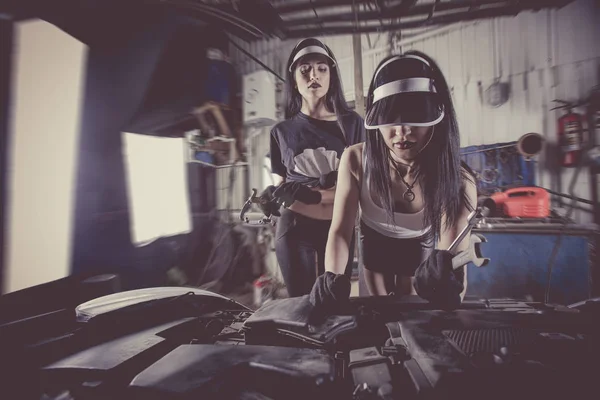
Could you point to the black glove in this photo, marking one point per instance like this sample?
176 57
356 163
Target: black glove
329 292
267 202
287 193
329 180
437 282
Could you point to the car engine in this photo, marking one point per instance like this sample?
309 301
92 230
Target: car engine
186 343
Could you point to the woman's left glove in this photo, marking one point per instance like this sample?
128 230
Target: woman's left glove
287 193
437 282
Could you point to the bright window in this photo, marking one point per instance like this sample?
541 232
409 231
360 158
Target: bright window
45 107
157 187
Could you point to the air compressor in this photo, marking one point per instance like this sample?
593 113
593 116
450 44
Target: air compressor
570 134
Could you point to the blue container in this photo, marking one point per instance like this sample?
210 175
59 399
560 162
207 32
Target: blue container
497 166
518 267
219 82
204 157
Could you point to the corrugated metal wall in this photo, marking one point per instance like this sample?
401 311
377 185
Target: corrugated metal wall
258 142
231 187
274 53
543 55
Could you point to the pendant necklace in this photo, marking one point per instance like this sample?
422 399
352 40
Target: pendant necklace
408 195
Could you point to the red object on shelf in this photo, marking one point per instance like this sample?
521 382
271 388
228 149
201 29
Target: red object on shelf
570 134
570 137
523 202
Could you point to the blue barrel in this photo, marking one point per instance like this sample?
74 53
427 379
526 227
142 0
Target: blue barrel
518 267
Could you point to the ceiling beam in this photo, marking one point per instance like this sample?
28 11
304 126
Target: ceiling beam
442 20
295 6
424 9
388 14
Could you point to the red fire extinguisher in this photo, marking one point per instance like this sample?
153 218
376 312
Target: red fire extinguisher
570 134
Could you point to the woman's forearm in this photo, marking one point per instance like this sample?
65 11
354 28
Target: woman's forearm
347 197
336 253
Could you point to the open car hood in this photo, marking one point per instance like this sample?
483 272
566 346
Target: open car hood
378 348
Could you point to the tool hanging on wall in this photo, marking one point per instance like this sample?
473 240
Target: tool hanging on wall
498 92
570 134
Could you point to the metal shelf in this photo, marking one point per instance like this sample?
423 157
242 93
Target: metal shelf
239 164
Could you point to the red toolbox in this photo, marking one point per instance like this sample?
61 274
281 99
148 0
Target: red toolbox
523 202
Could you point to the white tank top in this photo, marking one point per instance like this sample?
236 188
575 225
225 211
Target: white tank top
405 226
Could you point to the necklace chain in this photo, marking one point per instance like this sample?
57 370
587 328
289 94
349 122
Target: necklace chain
408 195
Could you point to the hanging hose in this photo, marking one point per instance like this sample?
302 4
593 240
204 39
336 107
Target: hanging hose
567 217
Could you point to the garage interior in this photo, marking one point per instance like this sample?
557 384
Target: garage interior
133 134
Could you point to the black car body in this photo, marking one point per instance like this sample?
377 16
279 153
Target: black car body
185 343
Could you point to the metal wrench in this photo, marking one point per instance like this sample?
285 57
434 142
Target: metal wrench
248 205
479 212
472 254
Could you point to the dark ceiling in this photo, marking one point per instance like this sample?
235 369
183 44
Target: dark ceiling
258 19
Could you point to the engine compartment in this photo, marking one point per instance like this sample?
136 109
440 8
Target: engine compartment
187 343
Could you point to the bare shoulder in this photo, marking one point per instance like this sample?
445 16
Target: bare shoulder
355 151
353 158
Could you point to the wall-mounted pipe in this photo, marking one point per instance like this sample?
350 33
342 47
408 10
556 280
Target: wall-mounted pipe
446 19
412 11
290 6
342 19
406 40
218 15
407 9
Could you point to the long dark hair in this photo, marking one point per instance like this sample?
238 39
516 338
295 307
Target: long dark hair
438 165
335 101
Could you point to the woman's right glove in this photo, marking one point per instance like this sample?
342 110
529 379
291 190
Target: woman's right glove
330 292
267 202
437 282
287 193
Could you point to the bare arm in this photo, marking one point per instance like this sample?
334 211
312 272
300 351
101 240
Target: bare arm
450 233
344 213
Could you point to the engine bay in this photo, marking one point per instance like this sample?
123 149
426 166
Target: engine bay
180 343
